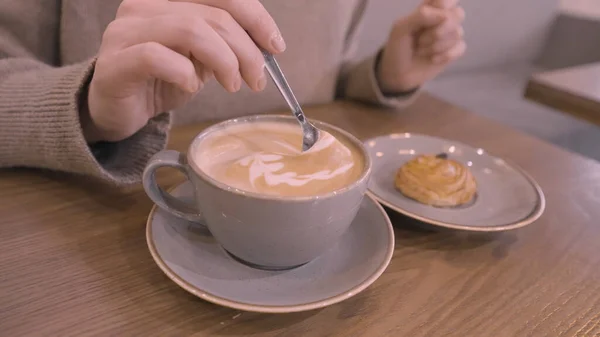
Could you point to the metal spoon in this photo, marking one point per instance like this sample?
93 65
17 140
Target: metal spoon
310 134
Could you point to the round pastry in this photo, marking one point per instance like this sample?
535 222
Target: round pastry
436 181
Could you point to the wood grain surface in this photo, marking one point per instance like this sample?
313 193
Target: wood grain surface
74 261
574 90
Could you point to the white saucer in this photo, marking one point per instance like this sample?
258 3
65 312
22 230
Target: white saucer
507 197
193 260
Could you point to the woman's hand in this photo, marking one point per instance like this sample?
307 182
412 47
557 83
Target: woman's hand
157 54
422 45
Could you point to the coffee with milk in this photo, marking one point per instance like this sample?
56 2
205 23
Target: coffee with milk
262 199
265 157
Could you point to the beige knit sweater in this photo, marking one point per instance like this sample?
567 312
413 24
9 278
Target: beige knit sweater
47 53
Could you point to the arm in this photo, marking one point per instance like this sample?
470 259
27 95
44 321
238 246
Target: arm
419 47
358 80
362 84
41 104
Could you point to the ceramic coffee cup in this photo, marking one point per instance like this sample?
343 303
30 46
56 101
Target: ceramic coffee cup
265 231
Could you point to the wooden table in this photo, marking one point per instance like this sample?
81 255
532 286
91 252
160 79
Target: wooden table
574 90
74 262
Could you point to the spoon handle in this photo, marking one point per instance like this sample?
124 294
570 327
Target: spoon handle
282 84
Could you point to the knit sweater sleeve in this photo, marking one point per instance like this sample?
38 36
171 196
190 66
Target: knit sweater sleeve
40 125
358 79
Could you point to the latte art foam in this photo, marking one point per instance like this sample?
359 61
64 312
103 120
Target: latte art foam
266 157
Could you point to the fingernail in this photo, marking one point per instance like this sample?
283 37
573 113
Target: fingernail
278 43
262 82
237 82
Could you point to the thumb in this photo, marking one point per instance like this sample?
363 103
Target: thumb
425 17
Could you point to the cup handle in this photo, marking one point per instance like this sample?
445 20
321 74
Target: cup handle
162 198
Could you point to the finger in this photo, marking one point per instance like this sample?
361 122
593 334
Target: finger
249 56
188 35
447 30
141 8
250 59
452 54
203 73
424 17
153 60
132 66
439 47
458 14
254 18
442 4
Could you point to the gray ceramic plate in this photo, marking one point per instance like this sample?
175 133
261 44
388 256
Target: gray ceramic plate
507 197
194 261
